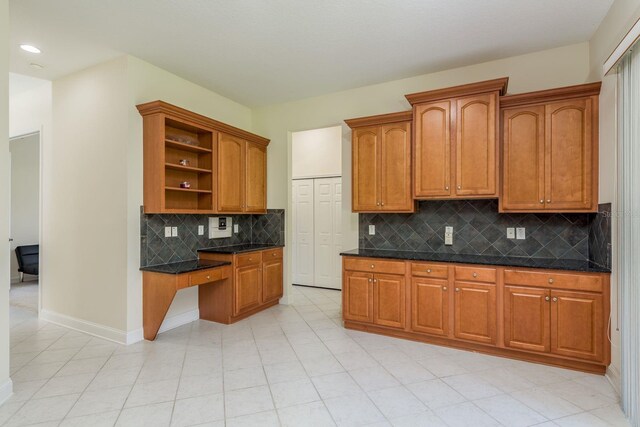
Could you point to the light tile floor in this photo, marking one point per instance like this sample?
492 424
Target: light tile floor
288 366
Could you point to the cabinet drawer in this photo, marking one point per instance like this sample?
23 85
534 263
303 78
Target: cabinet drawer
476 274
252 258
205 276
374 265
551 279
272 254
439 271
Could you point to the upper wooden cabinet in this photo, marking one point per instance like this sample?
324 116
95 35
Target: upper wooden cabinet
455 149
381 147
550 150
195 164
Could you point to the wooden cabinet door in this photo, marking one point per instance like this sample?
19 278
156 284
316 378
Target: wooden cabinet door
526 318
366 169
395 168
577 325
475 312
256 179
357 295
247 289
569 151
389 300
231 171
432 150
523 159
271 280
476 145
429 306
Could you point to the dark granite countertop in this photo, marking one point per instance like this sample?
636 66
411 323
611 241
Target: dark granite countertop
555 264
236 249
184 266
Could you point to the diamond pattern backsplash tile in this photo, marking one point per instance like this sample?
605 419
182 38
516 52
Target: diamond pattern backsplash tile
600 236
157 249
478 230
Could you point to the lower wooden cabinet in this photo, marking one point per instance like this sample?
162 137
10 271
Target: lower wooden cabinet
247 289
430 306
475 312
271 280
548 316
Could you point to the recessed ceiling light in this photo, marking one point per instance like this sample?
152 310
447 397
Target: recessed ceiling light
36 66
29 48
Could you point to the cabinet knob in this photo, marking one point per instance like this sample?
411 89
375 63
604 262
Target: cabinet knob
446 188
370 280
550 280
273 254
457 289
428 270
208 277
541 200
378 204
475 274
444 288
555 299
546 298
459 187
548 200
373 266
382 204
375 280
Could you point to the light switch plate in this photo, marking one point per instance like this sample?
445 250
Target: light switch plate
167 232
448 236
520 233
236 228
372 229
174 231
201 230
511 233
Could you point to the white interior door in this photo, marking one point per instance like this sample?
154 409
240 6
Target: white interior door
328 232
303 217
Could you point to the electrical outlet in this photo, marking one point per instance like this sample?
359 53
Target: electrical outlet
511 233
520 235
167 232
174 231
372 229
236 228
448 236
201 230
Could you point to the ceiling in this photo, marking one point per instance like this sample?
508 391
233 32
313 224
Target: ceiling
261 52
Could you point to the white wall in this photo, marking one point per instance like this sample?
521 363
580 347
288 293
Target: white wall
622 15
149 83
5 381
29 105
317 153
25 195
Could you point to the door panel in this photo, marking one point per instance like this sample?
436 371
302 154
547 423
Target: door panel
357 297
327 233
432 150
476 162
577 322
523 157
303 231
430 306
337 234
395 177
366 167
526 318
475 312
248 287
256 179
271 280
389 300
569 155
231 161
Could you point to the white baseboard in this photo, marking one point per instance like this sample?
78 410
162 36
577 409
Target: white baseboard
168 324
95 329
6 390
613 376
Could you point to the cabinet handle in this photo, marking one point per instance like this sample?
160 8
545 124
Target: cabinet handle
208 277
370 280
548 200
378 204
457 289
428 270
373 266
444 288
541 200
550 280
273 254
546 298
459 187
555 299
382 204
375 280
446 188
475 274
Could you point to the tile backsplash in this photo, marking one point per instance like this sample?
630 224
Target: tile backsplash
600 236
157 249
480 229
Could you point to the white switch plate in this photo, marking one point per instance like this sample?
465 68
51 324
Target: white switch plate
520 235
201 230
236 228
448 236
511 233
372 229
167 232
174 231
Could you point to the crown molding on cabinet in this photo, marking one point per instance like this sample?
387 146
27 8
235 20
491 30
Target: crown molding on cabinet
550 95
380 119
499 85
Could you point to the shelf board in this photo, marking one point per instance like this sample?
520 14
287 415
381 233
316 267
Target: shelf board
186 147
186 168
187 190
